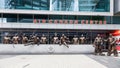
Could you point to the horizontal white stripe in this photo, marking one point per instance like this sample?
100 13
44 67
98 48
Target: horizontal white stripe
61 26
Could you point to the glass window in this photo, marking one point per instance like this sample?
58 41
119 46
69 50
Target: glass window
18 4
23 4
116 19
68 17
103 5
0 18
41 4
10 18
0 36
63 5
94 5
97 18
26 4
58 5
108 20
56 17
84 17
40 16
2 4
25 18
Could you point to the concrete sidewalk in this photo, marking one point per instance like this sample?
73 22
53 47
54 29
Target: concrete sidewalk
50 61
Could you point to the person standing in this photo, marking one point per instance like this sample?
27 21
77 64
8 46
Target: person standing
43 39
98 45
75 40
15 39
6 40
55 39
112 46
24 39
82 39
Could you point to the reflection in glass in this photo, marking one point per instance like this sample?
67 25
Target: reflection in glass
94 5
56 17
0 19
58 5
116 19
18 4
25 18
41 4
63 5
9 18
26 4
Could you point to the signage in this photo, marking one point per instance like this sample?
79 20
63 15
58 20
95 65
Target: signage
70 21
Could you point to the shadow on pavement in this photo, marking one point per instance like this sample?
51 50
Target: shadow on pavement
108 61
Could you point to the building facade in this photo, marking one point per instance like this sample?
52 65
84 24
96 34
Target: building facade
69 17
